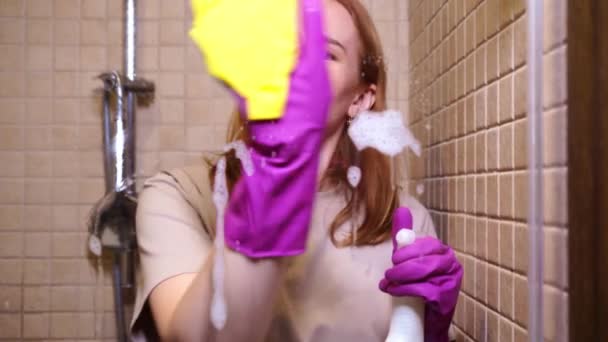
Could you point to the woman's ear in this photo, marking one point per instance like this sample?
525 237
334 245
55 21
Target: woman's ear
363 101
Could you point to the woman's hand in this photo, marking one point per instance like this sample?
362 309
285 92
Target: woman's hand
428 269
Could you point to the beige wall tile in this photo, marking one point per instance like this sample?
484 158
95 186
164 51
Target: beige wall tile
13 164
555 137
36 298
11 244
64 272
172 32
93 32
506 147
65 111
493 236
66 58
520 138
171 84
12 31
555 310
468 279
520 296
86 325
506 244
36 325
64 192
93 58
12 8
13 111
90 163
90 191
66 32
39 84
93 9
493 332
38 191
89 138
64 298
555 25
506 330
469 311
520 41
505 103
38 111
148 58
12 271
36 272
39 31
151 10
12 57
556 256
520 252
66 8
11 217
148 33
12 191
492 150
63 325
39 57
505 49
172 58
555 196
38 164
481 269
10 297
519 92
481 237
554 78
66 245
36 217
66 83
520 192
480 322
506 293
39 8
13 84
492 103
492 60
481 190
115 33
519 334
37 245
10 325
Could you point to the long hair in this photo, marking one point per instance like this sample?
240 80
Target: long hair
375 196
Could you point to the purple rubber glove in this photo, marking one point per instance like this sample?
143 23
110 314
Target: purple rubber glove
269 212
428 269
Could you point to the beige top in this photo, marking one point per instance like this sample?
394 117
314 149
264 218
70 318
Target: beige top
331 294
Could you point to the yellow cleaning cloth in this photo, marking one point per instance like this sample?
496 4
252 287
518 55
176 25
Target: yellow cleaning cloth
252 46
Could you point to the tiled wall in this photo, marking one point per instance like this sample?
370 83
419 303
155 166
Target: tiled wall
50 143
467 100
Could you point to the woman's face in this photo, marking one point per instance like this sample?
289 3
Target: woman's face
343 61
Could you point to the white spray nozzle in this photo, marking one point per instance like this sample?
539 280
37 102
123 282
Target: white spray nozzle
405 237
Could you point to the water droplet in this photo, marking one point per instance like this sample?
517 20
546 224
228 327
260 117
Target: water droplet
420 189
273 154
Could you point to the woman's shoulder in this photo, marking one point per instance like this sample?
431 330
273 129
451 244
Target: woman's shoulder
194 174
423 224
186 186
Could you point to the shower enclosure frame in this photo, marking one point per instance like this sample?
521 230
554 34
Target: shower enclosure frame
588 169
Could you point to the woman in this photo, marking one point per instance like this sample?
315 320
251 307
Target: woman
329 293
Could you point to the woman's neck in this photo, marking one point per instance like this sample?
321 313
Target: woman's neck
328 148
